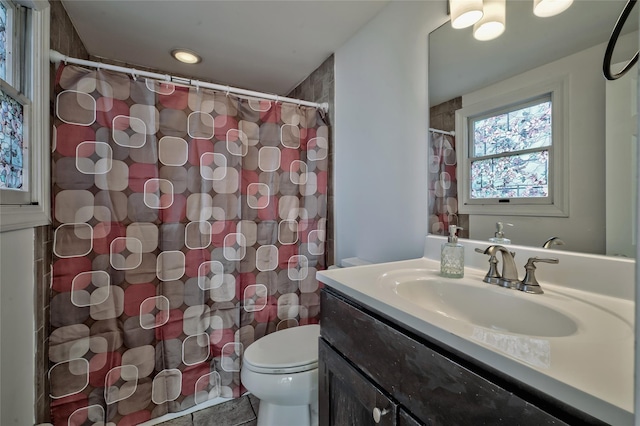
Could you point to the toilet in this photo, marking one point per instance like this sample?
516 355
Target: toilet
281 370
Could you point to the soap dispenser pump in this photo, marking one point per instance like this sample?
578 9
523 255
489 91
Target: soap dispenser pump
452 256
499 237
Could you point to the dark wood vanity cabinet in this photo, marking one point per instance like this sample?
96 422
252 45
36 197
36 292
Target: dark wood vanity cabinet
352 396
366 362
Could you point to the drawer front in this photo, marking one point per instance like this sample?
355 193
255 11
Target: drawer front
435 389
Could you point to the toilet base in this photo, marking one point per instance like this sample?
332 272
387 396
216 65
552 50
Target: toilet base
287 415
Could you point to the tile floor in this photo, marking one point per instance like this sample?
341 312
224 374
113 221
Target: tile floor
241 411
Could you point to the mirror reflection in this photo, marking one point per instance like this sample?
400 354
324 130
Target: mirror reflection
591 163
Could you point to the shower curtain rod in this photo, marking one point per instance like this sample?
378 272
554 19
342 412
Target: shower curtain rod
57 57
431 129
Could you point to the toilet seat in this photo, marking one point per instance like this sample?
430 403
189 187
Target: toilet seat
292 350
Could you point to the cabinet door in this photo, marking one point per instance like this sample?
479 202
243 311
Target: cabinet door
433 387
405 419
347 397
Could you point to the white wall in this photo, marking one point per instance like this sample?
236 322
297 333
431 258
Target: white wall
381 122
17 349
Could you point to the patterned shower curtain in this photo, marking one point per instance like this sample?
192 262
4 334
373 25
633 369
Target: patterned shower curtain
188 224
443 190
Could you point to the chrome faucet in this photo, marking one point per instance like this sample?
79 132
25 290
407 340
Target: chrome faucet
553 241
509 276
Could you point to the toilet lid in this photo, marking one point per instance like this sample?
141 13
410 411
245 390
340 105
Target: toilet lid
290 350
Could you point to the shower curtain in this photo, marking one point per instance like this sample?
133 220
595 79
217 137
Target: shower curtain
188 223
443 190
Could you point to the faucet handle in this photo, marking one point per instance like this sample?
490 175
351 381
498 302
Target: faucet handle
492 277
529 283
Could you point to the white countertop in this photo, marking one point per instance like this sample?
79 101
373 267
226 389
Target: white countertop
591 369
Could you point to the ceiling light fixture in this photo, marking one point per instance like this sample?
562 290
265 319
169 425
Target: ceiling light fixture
546 8
492 23
488 20
465 13
186 56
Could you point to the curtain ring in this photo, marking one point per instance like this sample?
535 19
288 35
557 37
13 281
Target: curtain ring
228 90
135 77
277 99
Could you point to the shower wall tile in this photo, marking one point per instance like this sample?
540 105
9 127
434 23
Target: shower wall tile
42 277
443 116
64 37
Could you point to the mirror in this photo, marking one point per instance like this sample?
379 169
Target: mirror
602 139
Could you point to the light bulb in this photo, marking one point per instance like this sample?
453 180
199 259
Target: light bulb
465 13
546 8
492 23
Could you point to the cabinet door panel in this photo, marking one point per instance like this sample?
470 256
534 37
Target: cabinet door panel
405 419
435 389
346 396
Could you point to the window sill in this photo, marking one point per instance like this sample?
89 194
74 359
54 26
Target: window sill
13 218
549 210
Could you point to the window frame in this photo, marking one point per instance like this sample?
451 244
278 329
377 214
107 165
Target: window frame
557 204
34 209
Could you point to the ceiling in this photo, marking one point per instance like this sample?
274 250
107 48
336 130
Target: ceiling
268 45
460 64
272 45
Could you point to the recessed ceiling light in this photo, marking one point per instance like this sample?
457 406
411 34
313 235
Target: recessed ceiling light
186 56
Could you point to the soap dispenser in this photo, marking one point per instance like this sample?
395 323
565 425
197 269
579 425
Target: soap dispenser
499 237
452 256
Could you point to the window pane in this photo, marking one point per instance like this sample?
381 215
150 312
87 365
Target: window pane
518 130
514 176
11 143
3 42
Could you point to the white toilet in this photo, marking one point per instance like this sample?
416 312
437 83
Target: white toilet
281 369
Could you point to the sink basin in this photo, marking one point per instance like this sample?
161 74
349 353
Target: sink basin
494 308
574 343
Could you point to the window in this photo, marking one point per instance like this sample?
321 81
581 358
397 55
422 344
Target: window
511 160
24 159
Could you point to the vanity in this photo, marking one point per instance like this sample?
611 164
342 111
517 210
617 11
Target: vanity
401 345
